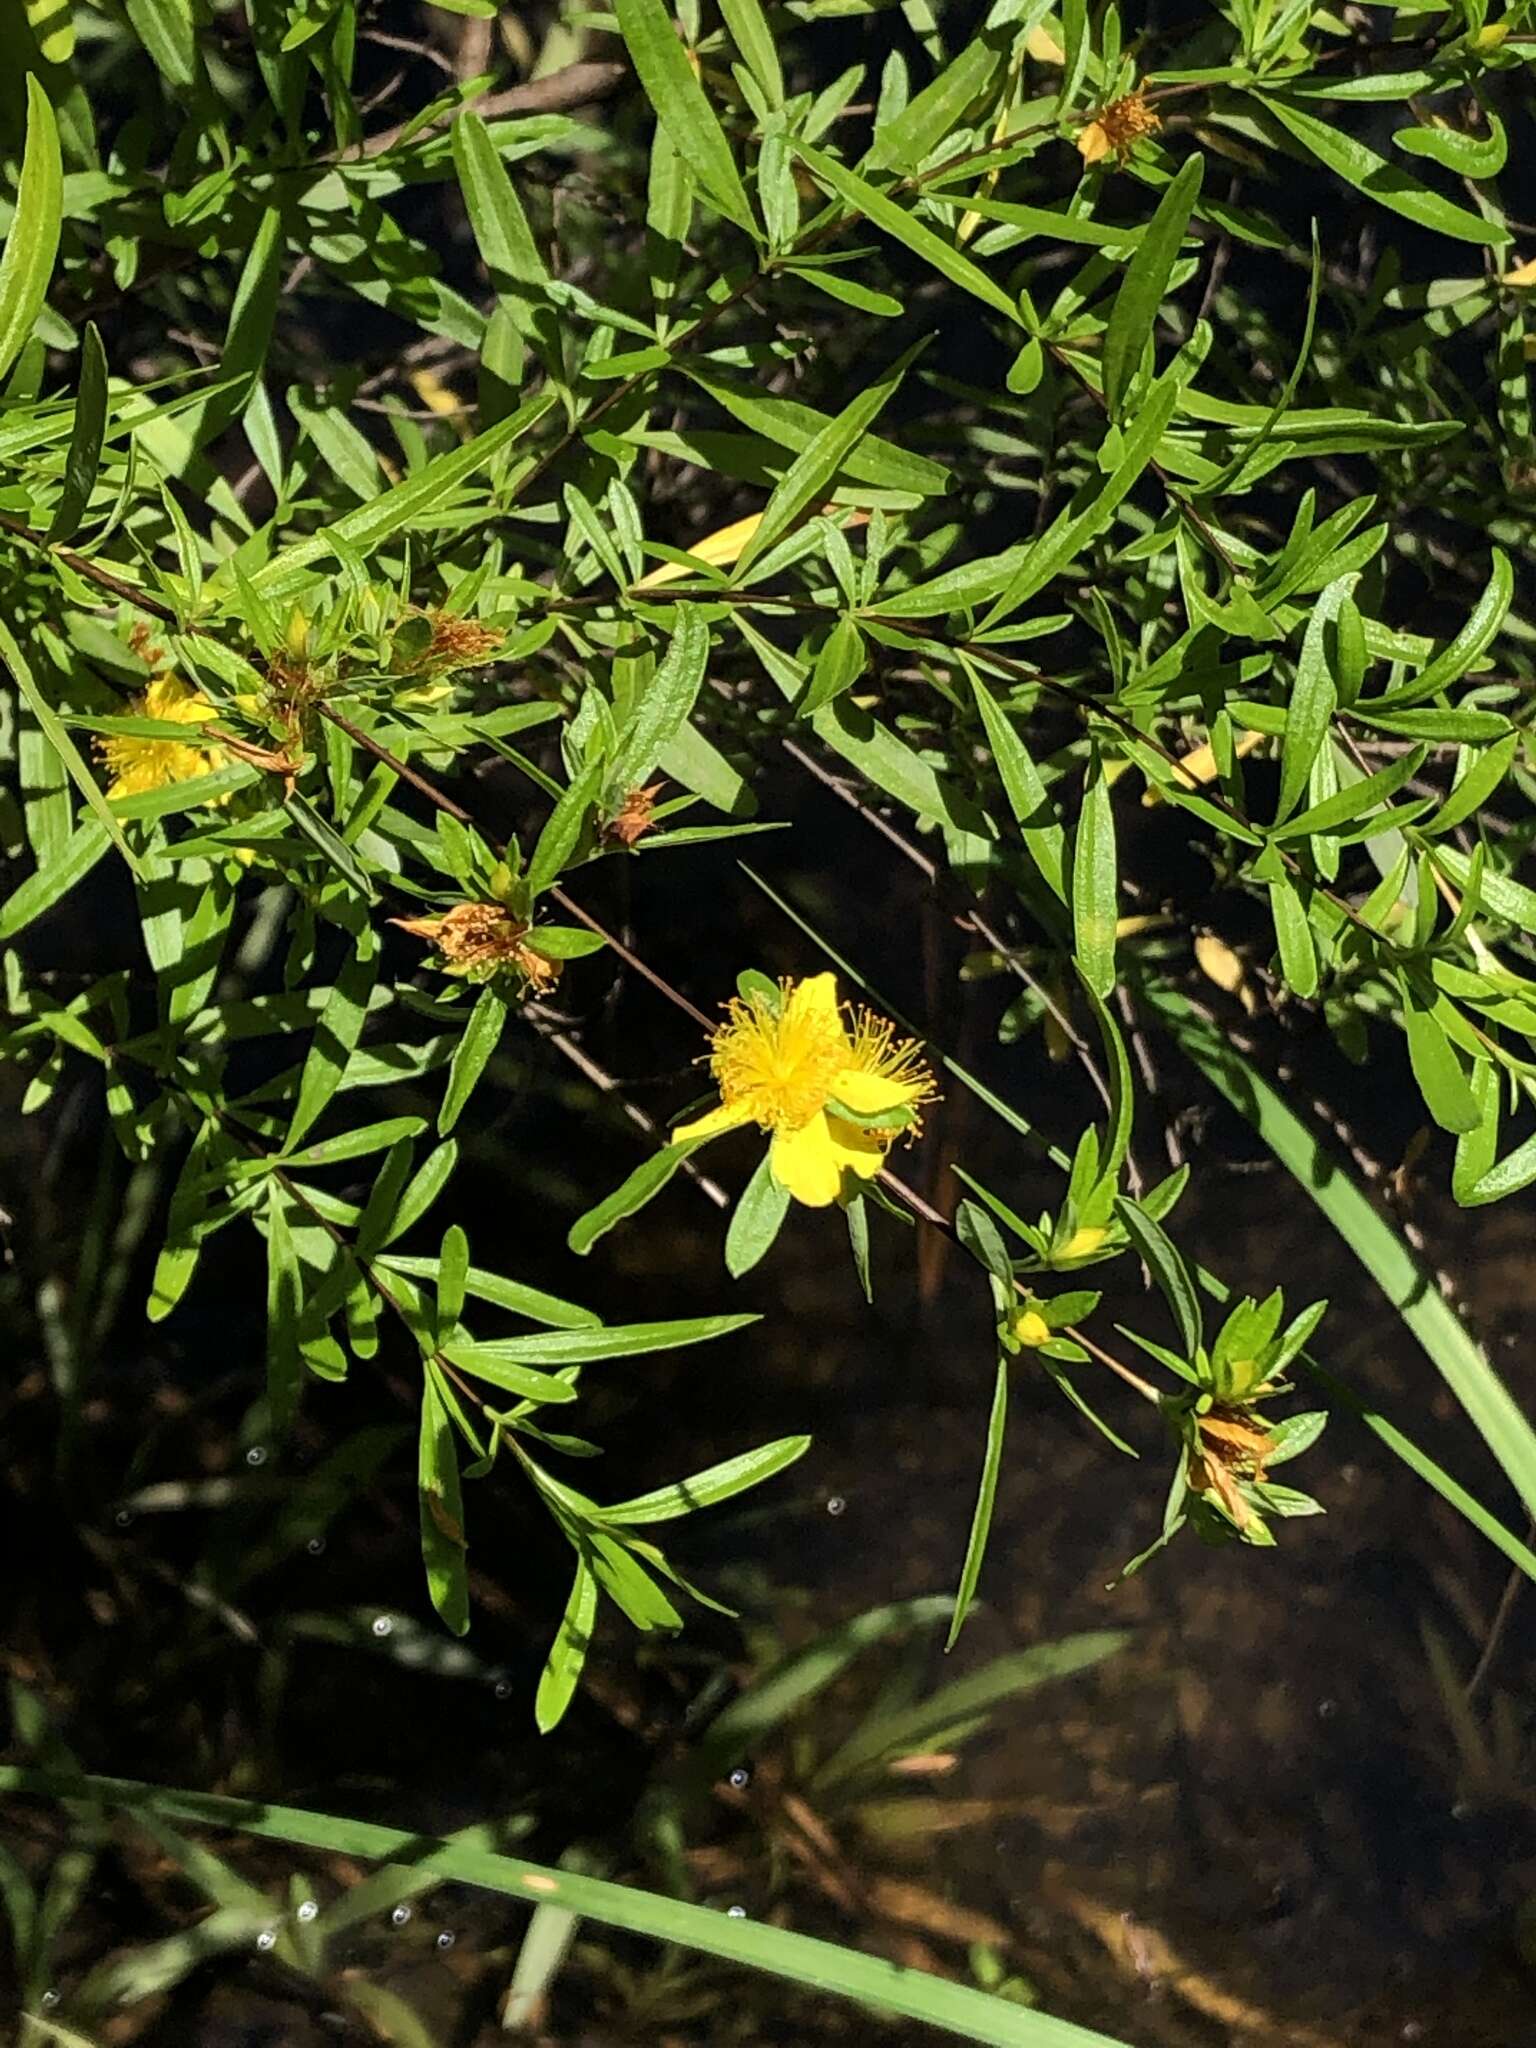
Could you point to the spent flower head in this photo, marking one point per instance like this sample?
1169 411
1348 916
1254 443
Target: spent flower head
833 1085
1118 128
479 941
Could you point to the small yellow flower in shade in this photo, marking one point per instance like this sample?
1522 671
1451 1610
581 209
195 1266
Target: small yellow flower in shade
807 1069
139 765
1118 128
1084 1241
1031 1328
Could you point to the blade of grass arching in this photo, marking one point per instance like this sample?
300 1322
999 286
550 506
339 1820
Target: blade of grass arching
1401 1446
1374 1242
802 1959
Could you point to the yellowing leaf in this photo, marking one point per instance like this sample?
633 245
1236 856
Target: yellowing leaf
1043 47
1217 962
1199 766
434 393
1523 273
720 549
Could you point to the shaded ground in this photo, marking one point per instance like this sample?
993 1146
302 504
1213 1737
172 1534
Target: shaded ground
1266 1820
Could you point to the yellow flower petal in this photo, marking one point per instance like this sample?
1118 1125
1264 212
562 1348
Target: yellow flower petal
1093 143
871 1094
1523 273
711 1124
1031 1328
816 994
809 1163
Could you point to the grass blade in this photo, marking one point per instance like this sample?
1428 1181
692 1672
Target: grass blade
812 1964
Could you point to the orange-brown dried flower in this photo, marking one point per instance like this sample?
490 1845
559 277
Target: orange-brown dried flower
1234 1444
634 817
455 643
477 941
1118 128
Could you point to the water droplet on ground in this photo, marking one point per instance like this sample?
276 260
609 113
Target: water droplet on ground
836 1505
740 1778
49 2000
315 1545
382 1625
447 1938
123 1517
256 1455
400 1915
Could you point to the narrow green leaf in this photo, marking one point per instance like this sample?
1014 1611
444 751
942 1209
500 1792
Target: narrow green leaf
806 480
1469 156
666 703
678 101
708 1488
1028 799
1145 284
1353 802
40 891
1095 882
471 1056
1293 937
562 830
1483 775
56 733
164 27
411 502
1314 700
83 461
929 119
1162 1260
560 1348
1442 1082
756 1220
285 1303
1476 636
838 666
1371 174
883 211
336 1037
568 1652
1089 514
754 38
642 1186
33 241
986 1500
440 1494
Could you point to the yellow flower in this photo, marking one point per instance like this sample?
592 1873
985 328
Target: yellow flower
137 765
807 1070
1031 1328
1084 1241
